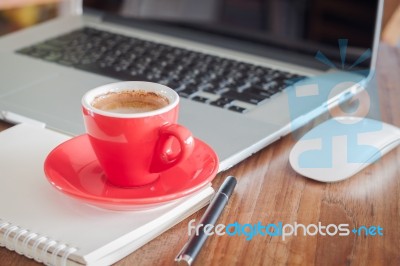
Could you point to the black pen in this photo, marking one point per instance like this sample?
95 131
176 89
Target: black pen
210 216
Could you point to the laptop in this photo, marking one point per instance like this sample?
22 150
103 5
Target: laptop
235 64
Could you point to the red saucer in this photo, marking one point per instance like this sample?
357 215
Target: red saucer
72 168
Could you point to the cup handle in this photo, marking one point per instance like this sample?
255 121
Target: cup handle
163 158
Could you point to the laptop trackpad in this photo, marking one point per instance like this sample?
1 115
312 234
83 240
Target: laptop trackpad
46 92
20 73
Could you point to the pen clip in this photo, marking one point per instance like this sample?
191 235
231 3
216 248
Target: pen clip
179 256
183 257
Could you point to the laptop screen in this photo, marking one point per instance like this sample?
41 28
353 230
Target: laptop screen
301 26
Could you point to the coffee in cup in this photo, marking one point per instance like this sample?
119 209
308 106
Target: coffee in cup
132 127
126 102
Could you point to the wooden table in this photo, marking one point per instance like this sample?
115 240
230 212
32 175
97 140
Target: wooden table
269 191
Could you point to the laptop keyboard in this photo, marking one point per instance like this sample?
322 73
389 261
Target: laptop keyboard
222 82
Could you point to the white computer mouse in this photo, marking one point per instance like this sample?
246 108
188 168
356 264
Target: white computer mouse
342 146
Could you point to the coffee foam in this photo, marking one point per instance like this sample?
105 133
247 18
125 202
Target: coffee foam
126 102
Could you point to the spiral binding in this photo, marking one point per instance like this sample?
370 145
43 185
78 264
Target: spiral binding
34 246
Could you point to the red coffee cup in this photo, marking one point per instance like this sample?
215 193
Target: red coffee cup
134 148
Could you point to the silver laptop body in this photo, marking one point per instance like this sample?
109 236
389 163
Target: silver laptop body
36 90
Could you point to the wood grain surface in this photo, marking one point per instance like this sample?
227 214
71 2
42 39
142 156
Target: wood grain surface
269 191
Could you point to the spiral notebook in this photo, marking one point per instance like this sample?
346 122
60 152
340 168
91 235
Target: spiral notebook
41 223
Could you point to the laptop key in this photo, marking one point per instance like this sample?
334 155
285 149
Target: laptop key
53 56
222 101
237 109
214 89
244 96
199 99
187 92
47 47
261 92
172 84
